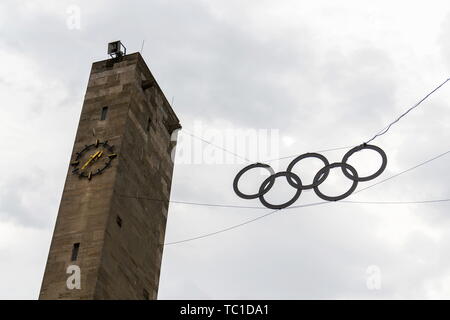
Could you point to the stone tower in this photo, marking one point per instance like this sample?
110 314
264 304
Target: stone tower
112 217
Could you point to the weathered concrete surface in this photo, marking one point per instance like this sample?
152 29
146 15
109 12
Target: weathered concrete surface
116 262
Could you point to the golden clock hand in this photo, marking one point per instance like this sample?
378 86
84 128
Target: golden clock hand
89 161
86 164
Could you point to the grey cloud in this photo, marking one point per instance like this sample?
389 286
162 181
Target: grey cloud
19 196
321 94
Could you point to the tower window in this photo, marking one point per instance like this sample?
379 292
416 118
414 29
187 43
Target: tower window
146 295
119 221
75 249
149 122
104 113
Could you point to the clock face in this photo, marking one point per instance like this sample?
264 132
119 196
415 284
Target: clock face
93 160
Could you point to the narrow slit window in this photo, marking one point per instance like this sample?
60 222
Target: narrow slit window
149 122
104 113
119 221
75 249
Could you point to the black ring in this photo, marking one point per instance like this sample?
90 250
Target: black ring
270 181
238 176
334 165
359 148
303 156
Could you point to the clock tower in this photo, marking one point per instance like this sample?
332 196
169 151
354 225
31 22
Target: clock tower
107 242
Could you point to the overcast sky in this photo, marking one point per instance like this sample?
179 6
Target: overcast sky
316 74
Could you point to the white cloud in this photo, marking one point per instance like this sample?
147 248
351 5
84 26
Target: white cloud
23 253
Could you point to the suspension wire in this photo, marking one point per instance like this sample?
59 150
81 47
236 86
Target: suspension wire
386 129
221 230
194 203
236 225
398 202
403 172
203 204
215 145
310 204
319 151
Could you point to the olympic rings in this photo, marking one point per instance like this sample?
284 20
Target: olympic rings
327 169
359 148
270 180
303 156
295 181
239 175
